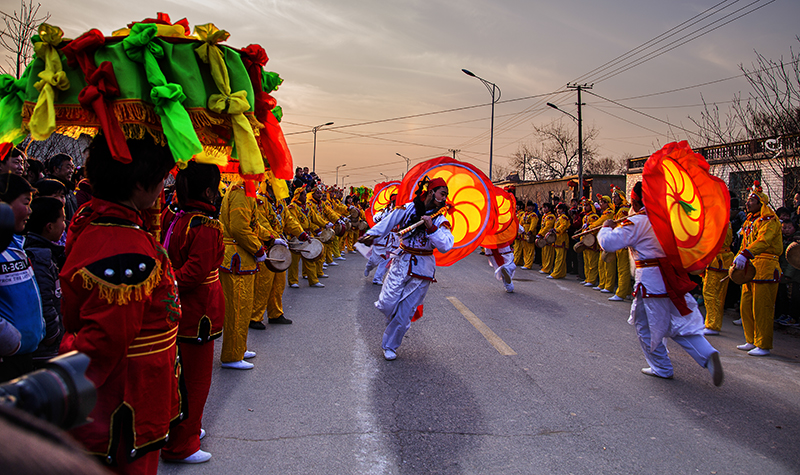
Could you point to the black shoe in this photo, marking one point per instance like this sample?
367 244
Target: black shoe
280 321
258 325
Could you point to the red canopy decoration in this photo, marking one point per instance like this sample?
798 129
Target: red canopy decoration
380 198
688 207
507 224
471 195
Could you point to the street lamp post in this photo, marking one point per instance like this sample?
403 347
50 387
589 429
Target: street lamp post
408 160
492 91
314 157
337 172
343 180
580 143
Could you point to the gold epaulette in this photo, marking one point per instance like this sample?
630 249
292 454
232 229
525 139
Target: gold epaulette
119 283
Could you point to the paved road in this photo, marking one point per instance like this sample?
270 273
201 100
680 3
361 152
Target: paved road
322 400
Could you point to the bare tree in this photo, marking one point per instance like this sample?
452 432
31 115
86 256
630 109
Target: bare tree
604 166
555 152
16 36
769 118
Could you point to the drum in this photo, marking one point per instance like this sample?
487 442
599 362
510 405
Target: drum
608 257
363 226
793 255
339 229
540 243
742 276
550 238
579 247
354 214
530 237
312 249
326 235
279 258
589 240
348 226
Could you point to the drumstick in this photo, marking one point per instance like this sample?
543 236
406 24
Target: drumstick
421 222
591 230
724 279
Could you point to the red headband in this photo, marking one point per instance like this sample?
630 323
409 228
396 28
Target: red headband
634 196
436 183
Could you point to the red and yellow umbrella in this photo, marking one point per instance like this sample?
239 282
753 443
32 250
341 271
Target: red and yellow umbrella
507 224
688 207
473 210
380 198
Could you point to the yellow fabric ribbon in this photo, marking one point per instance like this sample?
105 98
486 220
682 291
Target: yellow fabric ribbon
43 117
278 186
234 104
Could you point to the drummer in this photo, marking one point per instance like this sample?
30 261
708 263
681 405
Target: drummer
591 254
329 216
301 213
607 266
548 253
529 222
561 229
519 255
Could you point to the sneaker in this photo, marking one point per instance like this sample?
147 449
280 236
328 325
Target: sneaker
597 288
715 368
198 457
526 268
588 284
605 291
323 276
202 433
341 258
738 322
542 272
238 365
279 321
249 354
709 331
506 275
389 355
616 298
746 347
650 372
295 286
333 264
550 277
324 266
318 285
257 325
509 288
758 352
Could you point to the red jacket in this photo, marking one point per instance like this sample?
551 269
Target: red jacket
120 301
196 250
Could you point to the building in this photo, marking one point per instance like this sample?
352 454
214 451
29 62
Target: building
562 188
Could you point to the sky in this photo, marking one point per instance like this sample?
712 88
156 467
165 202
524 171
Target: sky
388 74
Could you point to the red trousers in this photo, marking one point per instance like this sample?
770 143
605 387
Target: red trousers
196 363
147 464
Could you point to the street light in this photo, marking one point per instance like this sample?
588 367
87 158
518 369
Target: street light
337 172
492 90
384 176
314 158
408 160
343 180
580 144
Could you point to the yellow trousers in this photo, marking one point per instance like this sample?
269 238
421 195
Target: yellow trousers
261 291
548 258
590 259
327 252
714 297
275 302
560 263
309 269
623 273
757 310
336 247
519 253
238 290
608 273
528 254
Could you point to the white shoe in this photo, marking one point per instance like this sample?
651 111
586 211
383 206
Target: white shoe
542 272
249 354
333 264
588 284
323 276
605 291
305 277
318 285
746 347
650 372
202 433
341 258
389 355
198 457
506 275
758 352
295 286
597 288
738 322
616 298
526 268
549 276
510 288
715 368
709 331
238 365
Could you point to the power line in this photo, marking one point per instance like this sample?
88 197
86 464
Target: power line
642 113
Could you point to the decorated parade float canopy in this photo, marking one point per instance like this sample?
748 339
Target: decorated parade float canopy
471 197
205 100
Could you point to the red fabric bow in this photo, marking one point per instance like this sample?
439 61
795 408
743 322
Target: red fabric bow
101 88
163 19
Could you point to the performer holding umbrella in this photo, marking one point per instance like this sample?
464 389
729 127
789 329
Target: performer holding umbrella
672 232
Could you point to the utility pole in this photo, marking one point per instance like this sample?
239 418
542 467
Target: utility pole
579 88
524 164
453 151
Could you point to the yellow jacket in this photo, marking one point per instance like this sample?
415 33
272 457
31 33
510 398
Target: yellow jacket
724 258
529 222
548 222
763 244
239 231
265 230
562 230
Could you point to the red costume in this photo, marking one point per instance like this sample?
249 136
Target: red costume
121 302
193 240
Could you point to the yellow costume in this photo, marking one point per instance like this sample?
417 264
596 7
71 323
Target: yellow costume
303 214
548 254
606 270
561 229
623 260
715 284
591 255
762 244
265 278
519 253
530 221
238 269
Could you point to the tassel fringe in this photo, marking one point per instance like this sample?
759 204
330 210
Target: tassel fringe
121 294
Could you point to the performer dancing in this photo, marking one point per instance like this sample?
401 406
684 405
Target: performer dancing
382 248
414 267
659 308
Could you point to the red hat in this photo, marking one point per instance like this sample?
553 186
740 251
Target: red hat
436 183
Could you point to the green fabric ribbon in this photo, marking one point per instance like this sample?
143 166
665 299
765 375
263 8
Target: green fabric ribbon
12 97
277 111
43 117
167 97
270 81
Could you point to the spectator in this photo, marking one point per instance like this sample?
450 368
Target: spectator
51 188
12 160
19 296
788 301
34 171
45 226
307 178
60 167
298 180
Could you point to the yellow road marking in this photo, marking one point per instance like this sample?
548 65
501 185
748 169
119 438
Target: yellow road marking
487 333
